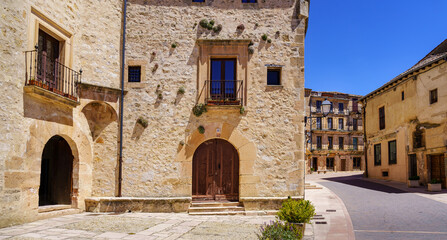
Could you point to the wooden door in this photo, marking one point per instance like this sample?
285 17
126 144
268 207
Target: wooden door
343 164
215 171
438 168
48 55
413 165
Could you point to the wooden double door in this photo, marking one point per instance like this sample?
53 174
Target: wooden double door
215 174
438 168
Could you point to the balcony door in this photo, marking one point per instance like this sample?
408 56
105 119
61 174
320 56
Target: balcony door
223 80
48 55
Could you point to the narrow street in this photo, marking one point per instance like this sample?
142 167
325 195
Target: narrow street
379 211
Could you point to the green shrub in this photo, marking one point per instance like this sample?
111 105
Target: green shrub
435 181
203 23
143 122
264 37
174 45
199 109
217 28
181 90
212 22
201 129
278 230
414 178
296 211
242 110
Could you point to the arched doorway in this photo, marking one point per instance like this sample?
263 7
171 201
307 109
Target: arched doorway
56 173
215 174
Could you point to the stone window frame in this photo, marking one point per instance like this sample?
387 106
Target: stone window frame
278 68
433 96
132 63
39 21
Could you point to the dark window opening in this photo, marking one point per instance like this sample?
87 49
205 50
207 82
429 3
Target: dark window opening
318 104
273 77
354 124
340 107
385 174
392 155
403 95
340 124
340 143
198 0
418 139
319 123
330 163
382 118
330 142
318 142
249 1
355 144
356 162
377 155
48 59
433 96
329 123
134 74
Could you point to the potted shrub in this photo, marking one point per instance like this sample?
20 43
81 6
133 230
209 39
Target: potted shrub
434 185
297 212
413 181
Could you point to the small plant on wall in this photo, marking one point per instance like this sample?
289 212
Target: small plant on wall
143 122
264 37
174 45
199 109
201 129
241 27
181 90
210 25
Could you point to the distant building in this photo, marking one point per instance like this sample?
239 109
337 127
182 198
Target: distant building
406 123
334 142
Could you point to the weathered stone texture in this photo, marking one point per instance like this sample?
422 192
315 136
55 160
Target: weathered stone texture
155 163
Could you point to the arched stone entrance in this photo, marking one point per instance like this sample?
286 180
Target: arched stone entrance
56 176
215 174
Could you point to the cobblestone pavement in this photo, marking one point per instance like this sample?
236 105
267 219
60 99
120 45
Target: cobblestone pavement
139 226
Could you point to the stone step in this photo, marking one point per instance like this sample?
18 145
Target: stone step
216 209
218 213
58 213
215 204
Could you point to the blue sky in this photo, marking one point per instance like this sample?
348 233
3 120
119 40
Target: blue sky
355 46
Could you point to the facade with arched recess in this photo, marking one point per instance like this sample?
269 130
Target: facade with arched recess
247 72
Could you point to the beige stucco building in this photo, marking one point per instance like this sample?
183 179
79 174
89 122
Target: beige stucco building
406 123
334 142
245 65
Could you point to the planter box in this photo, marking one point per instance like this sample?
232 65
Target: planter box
413 183
45 86
434 187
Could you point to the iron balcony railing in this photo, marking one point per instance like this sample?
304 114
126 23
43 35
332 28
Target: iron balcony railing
50 74
223 92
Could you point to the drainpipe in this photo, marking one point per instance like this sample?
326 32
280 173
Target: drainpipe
120 159
365 141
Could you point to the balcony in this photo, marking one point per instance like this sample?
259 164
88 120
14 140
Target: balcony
336 111
348 148
45 73
223 92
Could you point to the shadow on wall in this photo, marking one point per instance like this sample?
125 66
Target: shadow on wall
222 4
42 110
99 115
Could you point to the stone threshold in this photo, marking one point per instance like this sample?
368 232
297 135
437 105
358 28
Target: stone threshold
50 208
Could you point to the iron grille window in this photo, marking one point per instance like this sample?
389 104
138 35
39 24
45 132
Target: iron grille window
330 143
340 124
318 142
377 155
273 76
340 143
134 74
382 118
392 155
433 96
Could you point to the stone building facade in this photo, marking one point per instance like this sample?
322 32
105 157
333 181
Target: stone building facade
334 142
406 123
245 66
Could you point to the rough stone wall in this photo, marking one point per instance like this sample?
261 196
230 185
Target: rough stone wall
155 163
28 122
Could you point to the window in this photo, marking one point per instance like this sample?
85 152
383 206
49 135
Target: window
330 163
377 155
330 143
340 124
329 123
332 108
248 1
223 80
198 0
382 118
134 74
274 76
340 143
433 96
403 95
392 155
356 163
355 144
354 124
48 59
340 107
318 104
418 139
318 142
319 123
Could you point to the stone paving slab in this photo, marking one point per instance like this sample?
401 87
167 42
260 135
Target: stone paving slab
136 226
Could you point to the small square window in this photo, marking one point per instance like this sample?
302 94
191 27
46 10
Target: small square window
134 74
273 76
433 96
249 1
